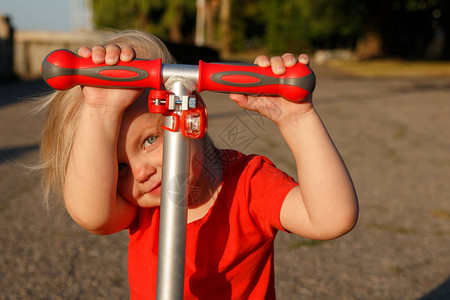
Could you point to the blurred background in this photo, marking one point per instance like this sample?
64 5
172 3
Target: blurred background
363 30
383 91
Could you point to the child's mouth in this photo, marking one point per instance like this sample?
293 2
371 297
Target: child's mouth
156 190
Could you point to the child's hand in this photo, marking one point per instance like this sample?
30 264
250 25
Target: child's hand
112 98
276 109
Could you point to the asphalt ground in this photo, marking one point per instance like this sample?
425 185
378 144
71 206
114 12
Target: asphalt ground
393 134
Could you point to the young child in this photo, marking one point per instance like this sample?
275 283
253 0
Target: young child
102 152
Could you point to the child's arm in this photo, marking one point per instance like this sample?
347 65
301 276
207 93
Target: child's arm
325 205
90 189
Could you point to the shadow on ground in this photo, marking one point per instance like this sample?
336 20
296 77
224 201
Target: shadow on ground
14 90
13 153
440 293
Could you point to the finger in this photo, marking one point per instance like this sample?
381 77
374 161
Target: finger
277 64
262 61
304 59
289 59
84 52
112 55
239 99
127 54
98 54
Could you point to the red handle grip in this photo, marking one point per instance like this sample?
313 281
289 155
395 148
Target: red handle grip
294 85
62 70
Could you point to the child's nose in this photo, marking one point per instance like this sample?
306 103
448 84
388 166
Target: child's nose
143 172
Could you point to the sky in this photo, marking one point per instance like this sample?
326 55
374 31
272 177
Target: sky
55 15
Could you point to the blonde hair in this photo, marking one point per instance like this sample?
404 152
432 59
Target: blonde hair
63 109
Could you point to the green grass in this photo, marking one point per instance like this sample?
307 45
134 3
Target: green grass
4 206
392 68
395 229
397 270
117 279
445 214
440 233
304 243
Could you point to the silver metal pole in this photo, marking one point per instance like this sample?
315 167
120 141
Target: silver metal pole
173 211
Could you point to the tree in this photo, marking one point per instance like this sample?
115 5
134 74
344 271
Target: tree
304 24
168 19
404 28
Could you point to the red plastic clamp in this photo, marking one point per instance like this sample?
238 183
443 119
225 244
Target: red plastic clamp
158 101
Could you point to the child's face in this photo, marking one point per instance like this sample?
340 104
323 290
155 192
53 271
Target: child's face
139 153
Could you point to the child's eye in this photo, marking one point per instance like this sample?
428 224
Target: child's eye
121 166
150 140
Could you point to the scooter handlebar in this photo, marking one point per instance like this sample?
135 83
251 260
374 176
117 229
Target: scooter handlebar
62 69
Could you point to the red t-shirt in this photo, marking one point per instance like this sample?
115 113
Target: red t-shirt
229 252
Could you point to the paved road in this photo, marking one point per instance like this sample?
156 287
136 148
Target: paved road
393 135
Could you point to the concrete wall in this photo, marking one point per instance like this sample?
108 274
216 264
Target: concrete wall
31 47
22 52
